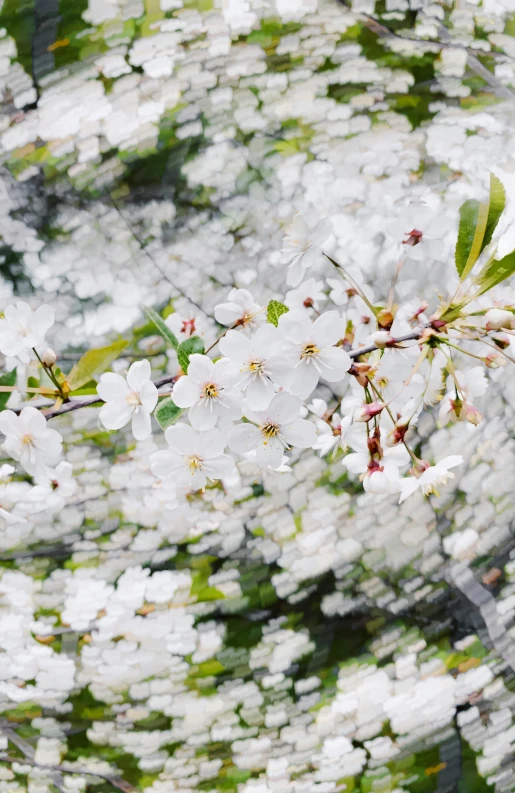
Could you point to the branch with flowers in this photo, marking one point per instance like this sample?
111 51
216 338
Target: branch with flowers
251 395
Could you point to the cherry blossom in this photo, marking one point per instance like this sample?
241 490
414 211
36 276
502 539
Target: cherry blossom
308 295
192 458
419 231
241 309
21 329
29 440
302 246
256 363
432 476
273 430
209 391
183 327
309 347
131 398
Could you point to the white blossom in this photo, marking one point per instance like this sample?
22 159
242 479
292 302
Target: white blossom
433 476
302 246
240 309
29 440
209 391
21 329
192 458
131 398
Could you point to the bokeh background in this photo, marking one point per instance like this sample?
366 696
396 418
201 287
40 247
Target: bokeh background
292 634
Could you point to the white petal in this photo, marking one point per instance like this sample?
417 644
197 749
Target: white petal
139 373
259 393
356 462
304 380
33 419
211 444
334 363
228 313
235 345
244 438
408 486
264 339
141 424
295 272
219 467
284 408
165 464
295 326
203 415
112 387
115 415
300 433
148 396
269 453
200 368
43 319
328 329
185 392
182 439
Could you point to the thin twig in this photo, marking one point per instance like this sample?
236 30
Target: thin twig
116 781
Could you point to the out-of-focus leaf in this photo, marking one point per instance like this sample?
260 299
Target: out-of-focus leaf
8 379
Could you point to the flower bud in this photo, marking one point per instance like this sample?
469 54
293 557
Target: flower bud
396 435
471 414
368 411
385 319
381 338
497 318
493 360
49 357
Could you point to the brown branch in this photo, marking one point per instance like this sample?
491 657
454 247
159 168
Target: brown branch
116 781
29 753
416 334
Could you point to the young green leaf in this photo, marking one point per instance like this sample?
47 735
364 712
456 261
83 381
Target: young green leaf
162 327
274 311
477 225
167 413
93 363
189 347
8 379
495 272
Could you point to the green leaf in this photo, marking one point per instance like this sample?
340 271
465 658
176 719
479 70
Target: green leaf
167 413
477 225
162 327
191 346
93 363
7 379
274 311
33 382
495 272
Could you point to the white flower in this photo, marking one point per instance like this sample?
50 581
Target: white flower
208 391
185 327
277 428
132 398
241 309
61 479
310 351
9 518
383 479
256 363
308 295
332 433
472 384
22 329
193 457
302 246
432 476
497 318
29 440
420 230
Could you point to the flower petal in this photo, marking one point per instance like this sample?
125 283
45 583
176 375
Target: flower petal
141 424
182 439
244 438
284 408
333 363
219 467
112 387
165 464
200 368
211 444
300 433
115 415
260 392
328 329
148 396
139 373
203 415
235 345
185 392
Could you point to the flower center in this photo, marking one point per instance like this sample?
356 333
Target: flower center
210 390
257 366
194 463
414 237
27 439
188 326
133 399
309 351
270 430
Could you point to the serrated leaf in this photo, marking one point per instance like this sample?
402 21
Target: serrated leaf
7 379
167 413
192 346
93 363
477 225
162 327
495 272
274 311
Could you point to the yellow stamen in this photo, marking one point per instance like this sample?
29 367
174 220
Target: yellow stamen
309 351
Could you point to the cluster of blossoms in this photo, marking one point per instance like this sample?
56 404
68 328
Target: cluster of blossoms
254 401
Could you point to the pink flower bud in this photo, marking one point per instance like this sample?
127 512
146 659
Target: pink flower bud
49 357
368 411
494 360
471 414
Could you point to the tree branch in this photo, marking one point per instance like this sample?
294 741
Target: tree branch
116 781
